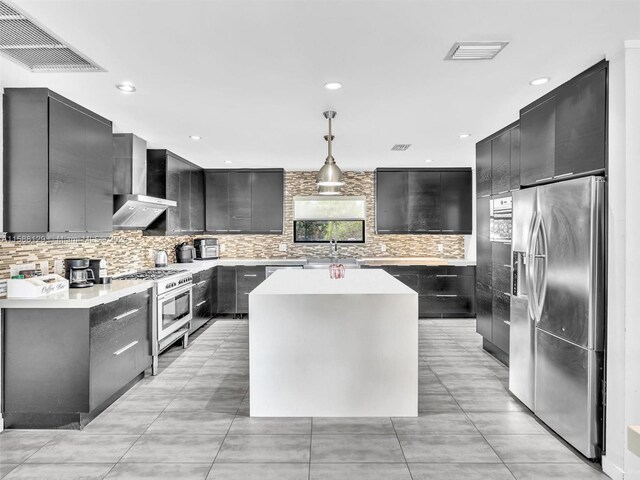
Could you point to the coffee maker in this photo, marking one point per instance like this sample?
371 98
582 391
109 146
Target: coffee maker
77 271
99 268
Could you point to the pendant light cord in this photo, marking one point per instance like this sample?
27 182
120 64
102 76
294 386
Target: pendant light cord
330 157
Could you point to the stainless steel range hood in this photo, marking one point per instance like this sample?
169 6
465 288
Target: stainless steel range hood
132 208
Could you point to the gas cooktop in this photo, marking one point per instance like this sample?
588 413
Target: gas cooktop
151 274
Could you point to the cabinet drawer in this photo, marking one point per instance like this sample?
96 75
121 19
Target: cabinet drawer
483 311
449 284
202 309
404 269
409 280
119 368
107 311
454 305
468 270
500 307
248 278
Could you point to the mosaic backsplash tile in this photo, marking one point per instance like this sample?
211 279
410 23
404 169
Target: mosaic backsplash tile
131 250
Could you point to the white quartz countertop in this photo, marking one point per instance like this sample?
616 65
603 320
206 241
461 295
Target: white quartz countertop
318 282
81 297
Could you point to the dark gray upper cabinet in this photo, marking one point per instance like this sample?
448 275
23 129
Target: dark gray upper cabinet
392 201
537 142
456 200
483 168
515 158
174 178
423 201
483 216
581 125
501 163
565 132
244 201
57 165
267 198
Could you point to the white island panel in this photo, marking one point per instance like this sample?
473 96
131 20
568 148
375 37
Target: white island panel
323 347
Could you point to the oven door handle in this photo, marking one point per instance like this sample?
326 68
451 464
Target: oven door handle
174 293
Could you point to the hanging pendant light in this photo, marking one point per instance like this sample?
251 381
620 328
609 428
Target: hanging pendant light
324 190
330 174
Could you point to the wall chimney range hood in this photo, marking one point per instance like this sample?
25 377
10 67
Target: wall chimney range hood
132 208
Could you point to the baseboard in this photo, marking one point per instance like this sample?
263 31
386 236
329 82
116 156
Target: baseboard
612 470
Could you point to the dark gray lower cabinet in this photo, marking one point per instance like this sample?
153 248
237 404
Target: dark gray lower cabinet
226 290
447 292
62 367
500 320
205 294
484 322
247 278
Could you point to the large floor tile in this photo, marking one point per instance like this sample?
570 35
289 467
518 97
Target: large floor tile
270 426
350 425
17 446
128 423
498 423
355 448
259 471
80 448
161 471
359 471
531 449
265 449
459 471
430 423
76 471
142 403
174 448
577 471
447 449
5 468
205 402
199 422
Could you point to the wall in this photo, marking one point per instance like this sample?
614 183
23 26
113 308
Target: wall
127 251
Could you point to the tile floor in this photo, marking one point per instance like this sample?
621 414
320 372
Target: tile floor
191 422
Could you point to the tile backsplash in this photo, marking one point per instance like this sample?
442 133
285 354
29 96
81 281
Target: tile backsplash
131 250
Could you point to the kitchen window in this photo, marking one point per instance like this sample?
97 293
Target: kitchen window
323 231
318 219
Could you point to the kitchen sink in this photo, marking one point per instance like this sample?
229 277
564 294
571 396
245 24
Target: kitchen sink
324 262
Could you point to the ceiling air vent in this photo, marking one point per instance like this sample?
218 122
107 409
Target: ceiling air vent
400 147
475 50
24 42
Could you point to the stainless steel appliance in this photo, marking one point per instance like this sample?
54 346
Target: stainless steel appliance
185 253
269 270
161 258
173 307
500 211
77 271
557 308
132 208
206 248
99 268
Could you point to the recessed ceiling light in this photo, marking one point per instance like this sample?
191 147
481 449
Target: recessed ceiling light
539 81
195 137
227 162
126 87
464 135
428 160
333 85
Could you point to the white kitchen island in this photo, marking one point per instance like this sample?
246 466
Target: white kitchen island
337 348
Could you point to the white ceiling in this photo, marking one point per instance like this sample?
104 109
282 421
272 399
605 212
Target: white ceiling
248 76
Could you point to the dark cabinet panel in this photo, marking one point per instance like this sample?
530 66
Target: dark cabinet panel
247 278
501 266
196 214
484 321
456 202
239 201
99 176
267 191
226 290
424 201
448 285
392 192
66 168
446 306
500 319
217 201
501 163
184 197
537 143
483 169
203 298
515 158
580 140
483 217
410 280
483 254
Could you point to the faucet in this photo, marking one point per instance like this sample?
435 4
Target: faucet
333 248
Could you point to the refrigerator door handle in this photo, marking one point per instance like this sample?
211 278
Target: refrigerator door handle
543 257
532 268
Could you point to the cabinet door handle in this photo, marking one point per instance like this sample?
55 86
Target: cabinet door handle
235 230
506 191
506 293
200 283
126 314
508 266
544 179
250 274
437 230
563 175
275 231
439 276
447 296
225 230
198 304
447 230
420 230
125 348
485 196
507 322
380 230
75 231
246 293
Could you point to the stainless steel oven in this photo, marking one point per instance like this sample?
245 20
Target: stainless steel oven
501 213
175 310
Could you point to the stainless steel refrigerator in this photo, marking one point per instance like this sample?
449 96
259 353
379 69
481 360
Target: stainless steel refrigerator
557 329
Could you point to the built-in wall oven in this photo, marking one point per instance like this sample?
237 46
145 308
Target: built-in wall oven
501 213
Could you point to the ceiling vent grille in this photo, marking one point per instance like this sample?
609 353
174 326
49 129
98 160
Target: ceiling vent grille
24 42
475 50
400 147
